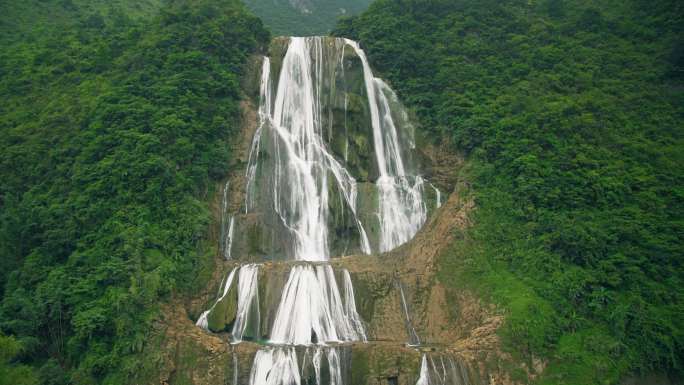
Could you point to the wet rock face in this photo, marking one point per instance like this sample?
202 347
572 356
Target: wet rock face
343 120
222 316
454 327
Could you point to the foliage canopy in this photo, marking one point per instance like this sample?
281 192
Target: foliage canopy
114 132
304 17
571 114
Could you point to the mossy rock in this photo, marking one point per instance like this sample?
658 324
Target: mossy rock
276 53
367 207
221 318
359 370
343 231
191 366
388 364
254 240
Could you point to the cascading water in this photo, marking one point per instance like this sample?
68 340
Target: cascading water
264 119
229 238
438 196
227 224
424 378
275 366
442 370
203 321
350 307
292 122
402 210
290 159
414 340
304 191
280 365
311 310
247 315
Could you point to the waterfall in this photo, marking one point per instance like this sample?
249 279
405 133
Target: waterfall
311 310
350 307
442 371
275 366
229 238
305 192
423 379
402 211
227 226
248 303
438 196
301 169
202 321
414 340
279 365
264 118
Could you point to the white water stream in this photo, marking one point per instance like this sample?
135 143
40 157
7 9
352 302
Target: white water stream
303 168
292 171
414 340
311 310
248 302
402 210
280 366
202 321
442 370
227 224
438 196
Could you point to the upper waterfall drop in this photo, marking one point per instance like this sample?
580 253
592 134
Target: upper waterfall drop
402 210
300 171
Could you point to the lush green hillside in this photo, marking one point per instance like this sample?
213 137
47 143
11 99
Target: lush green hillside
22 20
570 113
304 17
113 129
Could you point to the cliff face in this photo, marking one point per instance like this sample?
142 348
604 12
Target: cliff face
398 295
454 324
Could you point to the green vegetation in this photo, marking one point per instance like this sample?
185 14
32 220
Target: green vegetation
115 124
570 113
304 17
22 19
13 374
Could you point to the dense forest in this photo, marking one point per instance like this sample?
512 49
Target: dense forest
570 116
117 119
115 124
304 17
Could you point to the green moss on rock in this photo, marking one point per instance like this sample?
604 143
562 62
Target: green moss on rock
222 316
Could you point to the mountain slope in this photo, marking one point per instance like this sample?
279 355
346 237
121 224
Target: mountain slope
21 20
304 17
570 113
114 131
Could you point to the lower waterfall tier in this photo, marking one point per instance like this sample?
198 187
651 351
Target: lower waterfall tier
353 364
299 323
302 307
449 324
